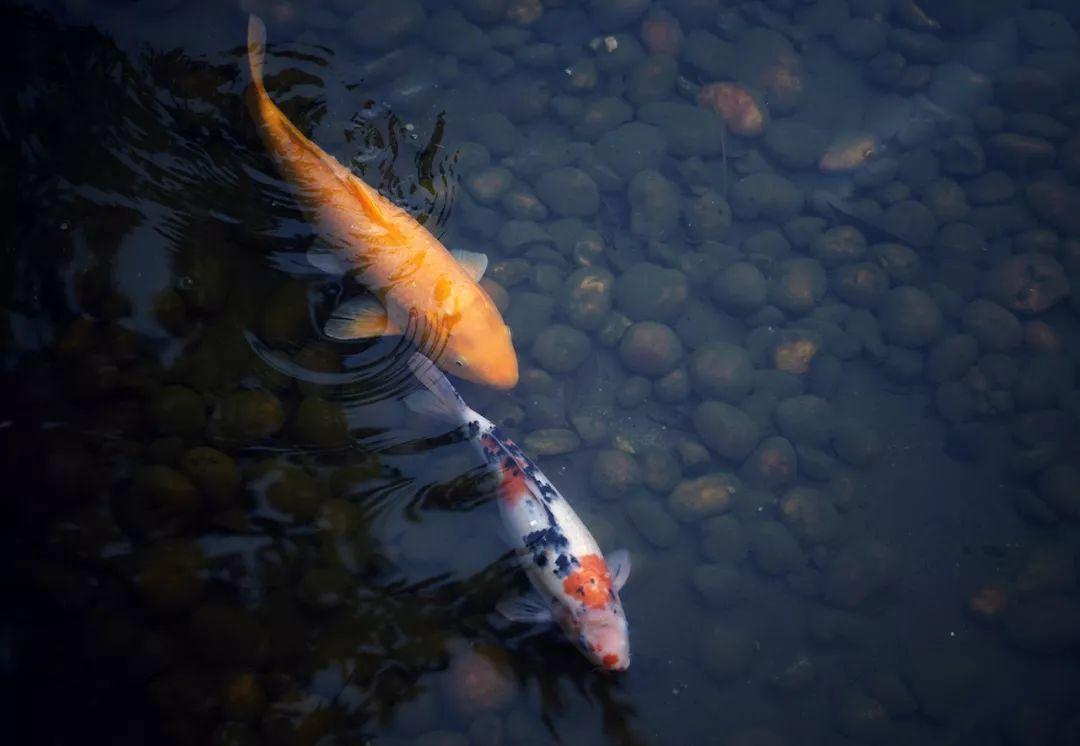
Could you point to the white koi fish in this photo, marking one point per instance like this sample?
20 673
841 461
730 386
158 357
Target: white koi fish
575 586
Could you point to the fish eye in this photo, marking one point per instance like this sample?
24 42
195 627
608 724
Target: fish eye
459 363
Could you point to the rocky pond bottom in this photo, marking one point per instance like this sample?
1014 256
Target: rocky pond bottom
793 290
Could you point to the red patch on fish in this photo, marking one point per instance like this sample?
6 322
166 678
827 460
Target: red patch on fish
610 660
512 485
591 582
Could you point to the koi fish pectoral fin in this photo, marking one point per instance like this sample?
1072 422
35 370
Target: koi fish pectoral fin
618 563
474 263
358 318
328 261
529 609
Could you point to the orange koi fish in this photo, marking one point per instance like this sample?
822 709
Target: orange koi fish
575 586
415 282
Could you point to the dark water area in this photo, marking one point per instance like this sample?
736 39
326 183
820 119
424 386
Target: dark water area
790 285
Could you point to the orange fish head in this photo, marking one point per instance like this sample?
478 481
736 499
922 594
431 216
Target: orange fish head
480 350
604 637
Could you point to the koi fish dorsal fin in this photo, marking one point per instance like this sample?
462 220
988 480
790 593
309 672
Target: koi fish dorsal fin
357 318
473 262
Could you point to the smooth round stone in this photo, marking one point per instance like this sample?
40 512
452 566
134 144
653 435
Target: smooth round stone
740 289
660 469
900 262
960 242
602 115
995 328
798 286
649 292
720 585
863 284
1046 29
651 79
650 349
951 357
993 187
560 348
610 15
614 474
810 515
963 155
723 539
860 38
708 53
654 205
569 192
1020 153
551 442
648 516
946 199
794 144
252 415
632 147
910 317
721 371
801 230
839 245
707 217
726 430
690 130
773 464
694 500
1057 203
805 419
1027 283
586 297
765 196
912 222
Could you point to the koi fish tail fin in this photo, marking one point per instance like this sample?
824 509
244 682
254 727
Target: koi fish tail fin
440 400
256 50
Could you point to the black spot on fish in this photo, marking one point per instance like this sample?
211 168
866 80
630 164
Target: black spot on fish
547 538
474 429
564 564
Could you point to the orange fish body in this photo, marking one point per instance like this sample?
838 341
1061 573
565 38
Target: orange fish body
419 287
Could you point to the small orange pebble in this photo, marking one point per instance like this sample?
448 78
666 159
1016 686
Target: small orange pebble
783 83
591 582
661 34
738 107
989 601
847 152
795 354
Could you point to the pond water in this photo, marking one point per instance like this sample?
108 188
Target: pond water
789 286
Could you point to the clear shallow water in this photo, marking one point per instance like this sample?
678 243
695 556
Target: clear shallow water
224 528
